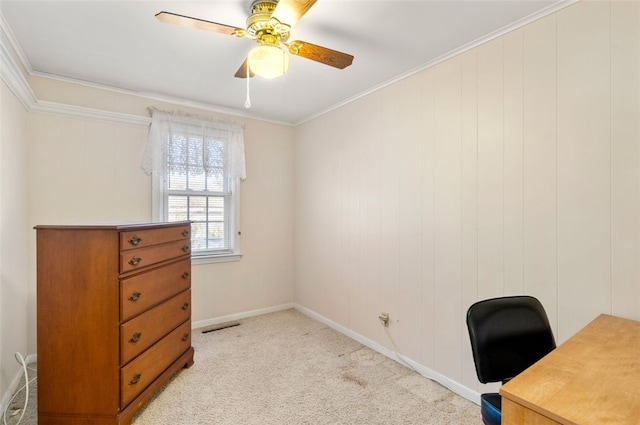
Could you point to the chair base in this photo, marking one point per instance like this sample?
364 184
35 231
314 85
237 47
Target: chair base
491 408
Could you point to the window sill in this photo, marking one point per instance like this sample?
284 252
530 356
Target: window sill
214 258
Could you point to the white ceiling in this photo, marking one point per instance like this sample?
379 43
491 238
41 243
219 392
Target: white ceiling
121 44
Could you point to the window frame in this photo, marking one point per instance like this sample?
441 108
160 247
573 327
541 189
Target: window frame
159 200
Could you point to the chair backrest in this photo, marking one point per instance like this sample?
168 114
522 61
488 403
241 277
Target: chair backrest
508 335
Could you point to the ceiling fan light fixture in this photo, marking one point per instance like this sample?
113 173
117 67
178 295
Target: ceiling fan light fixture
268 61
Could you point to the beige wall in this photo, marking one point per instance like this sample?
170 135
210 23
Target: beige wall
512 168
14 237
85 170
75 158
264 276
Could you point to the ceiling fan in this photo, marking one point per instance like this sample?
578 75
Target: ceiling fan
269 25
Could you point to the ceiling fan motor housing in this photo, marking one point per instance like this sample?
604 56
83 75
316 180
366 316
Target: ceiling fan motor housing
263 6
262 27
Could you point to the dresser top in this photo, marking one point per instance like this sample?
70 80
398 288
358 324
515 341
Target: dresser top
124 226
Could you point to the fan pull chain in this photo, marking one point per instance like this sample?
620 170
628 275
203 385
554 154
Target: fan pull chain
247 103
284 92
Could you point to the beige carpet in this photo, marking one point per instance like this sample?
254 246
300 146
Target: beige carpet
285 368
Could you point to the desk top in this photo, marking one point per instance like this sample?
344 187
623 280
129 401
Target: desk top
591 379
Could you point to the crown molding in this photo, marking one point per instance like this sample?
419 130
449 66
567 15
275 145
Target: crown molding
555 7
13 76
159 98
11 73
7 33
55 108
16 81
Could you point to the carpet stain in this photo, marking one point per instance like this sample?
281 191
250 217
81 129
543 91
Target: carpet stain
367 357
347 377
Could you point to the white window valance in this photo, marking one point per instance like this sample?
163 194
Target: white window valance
187 142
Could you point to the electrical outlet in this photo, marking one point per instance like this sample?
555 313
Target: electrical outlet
384 318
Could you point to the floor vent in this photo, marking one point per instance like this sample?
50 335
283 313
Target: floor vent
220 327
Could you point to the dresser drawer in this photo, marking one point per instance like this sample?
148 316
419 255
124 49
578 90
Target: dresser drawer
140 292
138 374
142 257
139 333
146 237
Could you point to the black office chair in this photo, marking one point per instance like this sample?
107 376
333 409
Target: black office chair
508 335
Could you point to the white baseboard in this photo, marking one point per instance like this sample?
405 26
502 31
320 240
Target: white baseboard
454 386
238 316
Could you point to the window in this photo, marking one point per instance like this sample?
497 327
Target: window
196 164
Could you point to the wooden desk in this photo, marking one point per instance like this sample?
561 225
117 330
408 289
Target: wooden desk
591 379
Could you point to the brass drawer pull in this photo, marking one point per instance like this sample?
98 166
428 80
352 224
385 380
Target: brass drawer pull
185 337
185 306
134 240
135 296
185 233
135 338
136 379
135 260
185 275
185 248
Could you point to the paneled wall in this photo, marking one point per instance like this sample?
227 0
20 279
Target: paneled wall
511 168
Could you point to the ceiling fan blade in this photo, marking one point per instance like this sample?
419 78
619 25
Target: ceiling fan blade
186 21
290 11
242 71
320 54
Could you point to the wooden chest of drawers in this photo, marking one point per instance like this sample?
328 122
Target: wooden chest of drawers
114 318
